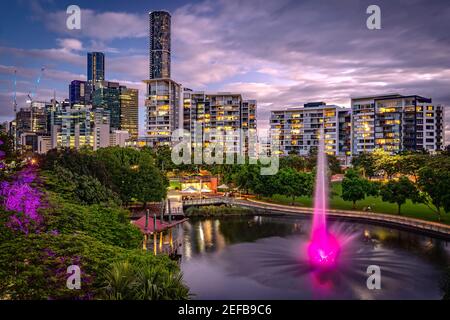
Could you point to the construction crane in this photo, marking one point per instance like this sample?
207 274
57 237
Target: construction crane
31 95
15 92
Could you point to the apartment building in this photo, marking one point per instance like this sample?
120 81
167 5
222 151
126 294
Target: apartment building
298 129
395 123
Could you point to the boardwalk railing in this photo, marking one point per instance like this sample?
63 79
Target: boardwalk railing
208 201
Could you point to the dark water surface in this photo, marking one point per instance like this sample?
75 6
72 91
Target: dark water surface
264 258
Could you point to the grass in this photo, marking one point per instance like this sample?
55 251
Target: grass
409 209
174 185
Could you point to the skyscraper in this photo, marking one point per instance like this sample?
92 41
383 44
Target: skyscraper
95 66
78 92
107 96
129 109
159 50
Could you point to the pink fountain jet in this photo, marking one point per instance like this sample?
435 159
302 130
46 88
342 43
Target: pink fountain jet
323 248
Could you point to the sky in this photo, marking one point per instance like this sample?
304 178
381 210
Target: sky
283 53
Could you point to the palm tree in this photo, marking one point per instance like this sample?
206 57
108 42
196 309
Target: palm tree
120 281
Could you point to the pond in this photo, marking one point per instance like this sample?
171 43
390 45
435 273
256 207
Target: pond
263 257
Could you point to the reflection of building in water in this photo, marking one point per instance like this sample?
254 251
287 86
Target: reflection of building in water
202 236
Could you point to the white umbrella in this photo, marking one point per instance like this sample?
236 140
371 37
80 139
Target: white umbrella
189 190
205 190
223 186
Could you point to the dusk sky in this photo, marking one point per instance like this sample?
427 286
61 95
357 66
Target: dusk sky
281 53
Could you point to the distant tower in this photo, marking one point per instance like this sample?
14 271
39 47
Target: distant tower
159 49
96 66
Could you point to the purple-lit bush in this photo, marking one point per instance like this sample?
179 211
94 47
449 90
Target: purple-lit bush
24 200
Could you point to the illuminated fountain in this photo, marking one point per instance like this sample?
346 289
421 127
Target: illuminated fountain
323 248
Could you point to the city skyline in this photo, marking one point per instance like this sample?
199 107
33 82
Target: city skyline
330 60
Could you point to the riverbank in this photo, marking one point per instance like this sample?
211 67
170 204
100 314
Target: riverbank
409 209
440 229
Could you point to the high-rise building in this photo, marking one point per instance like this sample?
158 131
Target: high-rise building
395 123
78 92
218 114
159 49
95 66
101 128
163 106
107 96
169 106
129 111
81 126
76 129
298 129
31 119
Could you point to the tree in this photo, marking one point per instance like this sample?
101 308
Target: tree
398 191
133 174
293 161
366 162
385 162
411 163
355 188
294 184
246 177
434 181
7 152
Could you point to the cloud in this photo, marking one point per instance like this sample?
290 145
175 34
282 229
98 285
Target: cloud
313 51
95 25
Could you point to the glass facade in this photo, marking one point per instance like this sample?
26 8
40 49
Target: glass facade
77 92
159 50
107 96
129 109
95 66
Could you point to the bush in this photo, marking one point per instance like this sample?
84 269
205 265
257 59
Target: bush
207 211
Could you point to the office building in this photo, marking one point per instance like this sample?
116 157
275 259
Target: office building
129 111
78 92
95 66
107 96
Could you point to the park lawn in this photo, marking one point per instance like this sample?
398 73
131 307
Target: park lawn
174 185
409 209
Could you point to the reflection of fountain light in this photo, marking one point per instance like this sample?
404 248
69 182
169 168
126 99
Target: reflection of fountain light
324 248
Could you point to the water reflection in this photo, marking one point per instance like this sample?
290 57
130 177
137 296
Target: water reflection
263 258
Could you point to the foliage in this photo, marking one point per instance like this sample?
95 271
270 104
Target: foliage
133 174
108 224
85 189
294 184
366 162
106 175
206 211
398 191
434 181
35 266
355 188
125 281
